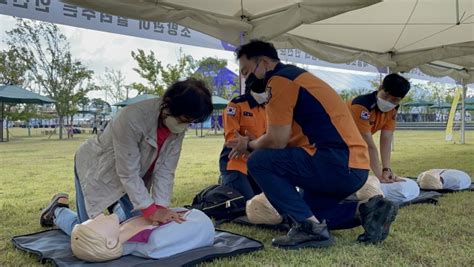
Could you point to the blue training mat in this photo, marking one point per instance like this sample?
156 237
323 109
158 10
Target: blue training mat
55 246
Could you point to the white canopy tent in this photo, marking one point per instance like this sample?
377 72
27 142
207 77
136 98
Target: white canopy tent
436 36
228 19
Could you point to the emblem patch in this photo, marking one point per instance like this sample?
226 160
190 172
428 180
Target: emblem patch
231 111
365 115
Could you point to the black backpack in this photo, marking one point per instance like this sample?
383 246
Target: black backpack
220 202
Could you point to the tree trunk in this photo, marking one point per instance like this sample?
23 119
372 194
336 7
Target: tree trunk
61 127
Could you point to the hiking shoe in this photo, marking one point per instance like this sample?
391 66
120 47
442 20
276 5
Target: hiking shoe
305 234
47 214
376 216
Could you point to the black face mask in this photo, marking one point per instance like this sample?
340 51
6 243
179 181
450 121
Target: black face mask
252 83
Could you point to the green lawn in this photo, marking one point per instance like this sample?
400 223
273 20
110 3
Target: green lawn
33 169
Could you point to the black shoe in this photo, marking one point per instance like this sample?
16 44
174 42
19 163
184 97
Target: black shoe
305 234
47 214
376 216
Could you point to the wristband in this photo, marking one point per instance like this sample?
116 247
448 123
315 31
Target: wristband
387 170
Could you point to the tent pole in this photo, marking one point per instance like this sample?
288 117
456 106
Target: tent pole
8 133
463 112
216 118
1 125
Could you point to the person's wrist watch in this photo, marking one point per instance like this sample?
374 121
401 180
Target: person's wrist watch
386 170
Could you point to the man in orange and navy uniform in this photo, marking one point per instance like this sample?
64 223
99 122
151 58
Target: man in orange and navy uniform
375 112
247 117
311 142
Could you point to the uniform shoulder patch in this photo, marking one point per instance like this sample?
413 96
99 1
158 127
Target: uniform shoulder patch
365 115
231 111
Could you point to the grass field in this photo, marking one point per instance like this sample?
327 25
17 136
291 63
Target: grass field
32 169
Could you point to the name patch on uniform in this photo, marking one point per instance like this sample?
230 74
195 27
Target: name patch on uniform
365 115
248 114
231 111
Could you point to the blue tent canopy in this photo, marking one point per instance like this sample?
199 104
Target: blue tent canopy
15 94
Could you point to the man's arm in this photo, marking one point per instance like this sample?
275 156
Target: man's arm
374 155
276 137
386 138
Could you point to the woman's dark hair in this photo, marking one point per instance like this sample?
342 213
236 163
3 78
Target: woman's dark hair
257 48
189 98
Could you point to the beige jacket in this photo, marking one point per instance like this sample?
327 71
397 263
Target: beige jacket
113 163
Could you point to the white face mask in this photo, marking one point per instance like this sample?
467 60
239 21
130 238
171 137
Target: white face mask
385 105
260 98
174 125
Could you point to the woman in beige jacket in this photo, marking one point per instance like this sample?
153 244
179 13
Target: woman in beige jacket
132 164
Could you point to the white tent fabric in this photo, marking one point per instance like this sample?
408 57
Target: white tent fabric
435 35
227 19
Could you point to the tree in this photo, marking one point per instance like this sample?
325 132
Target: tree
63 78
174 72
437 92
347 95
233 90
207 69
375 83
113 83
99 107
450 93
83 104
14 69
408 98
149 68
160 77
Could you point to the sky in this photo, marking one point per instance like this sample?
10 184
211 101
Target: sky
99 50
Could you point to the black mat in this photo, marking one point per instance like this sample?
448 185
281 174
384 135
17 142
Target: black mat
425 197
54 246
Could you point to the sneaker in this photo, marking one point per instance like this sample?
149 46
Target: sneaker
47 214
305 234
376 216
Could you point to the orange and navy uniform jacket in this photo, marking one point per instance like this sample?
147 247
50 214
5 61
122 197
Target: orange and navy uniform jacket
368 117
243 114
319 118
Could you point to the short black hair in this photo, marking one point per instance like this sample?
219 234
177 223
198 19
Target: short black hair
189 98
257 48
396 85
